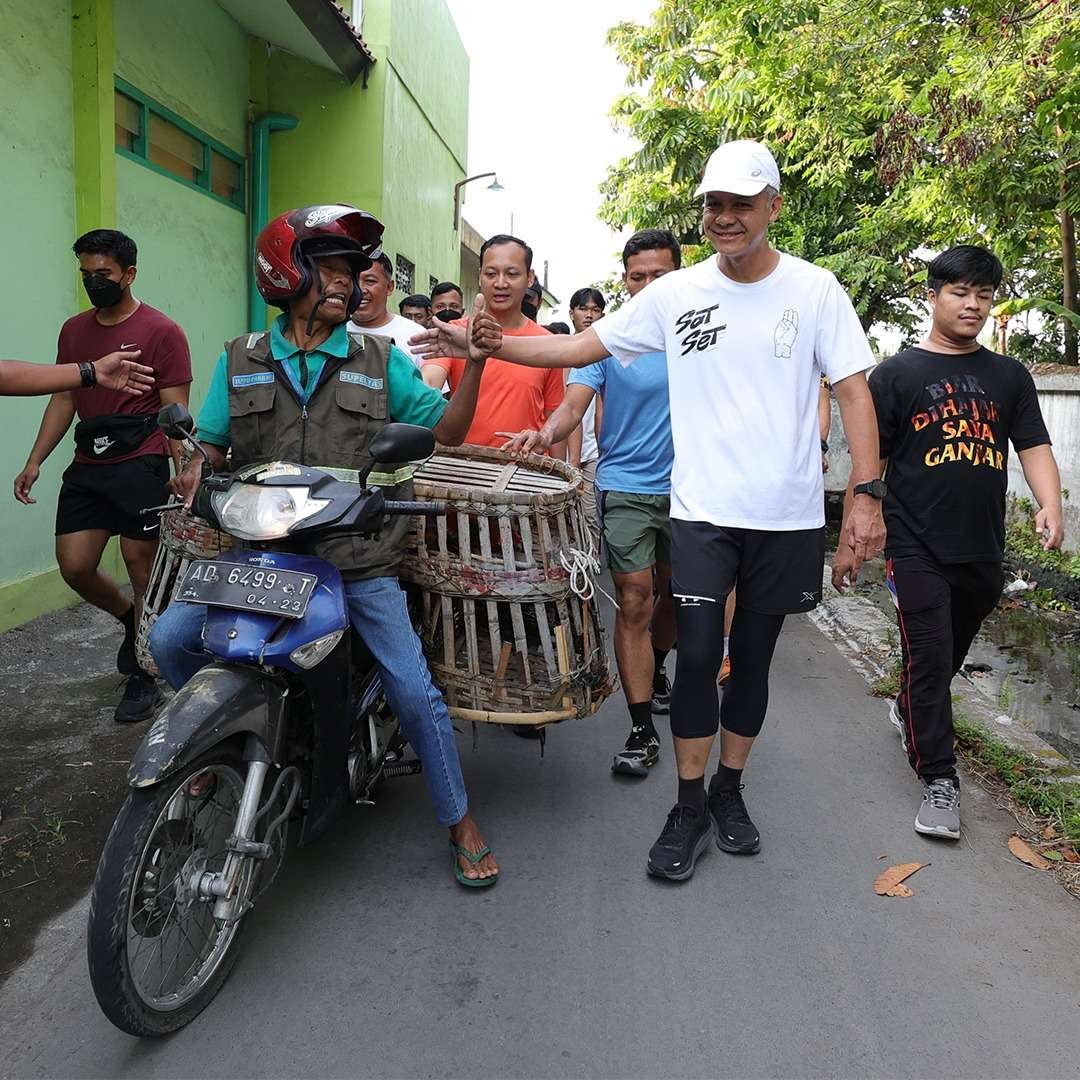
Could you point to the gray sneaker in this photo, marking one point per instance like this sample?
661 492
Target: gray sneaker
939 814
897 722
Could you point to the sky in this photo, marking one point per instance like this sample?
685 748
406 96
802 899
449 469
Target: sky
541 87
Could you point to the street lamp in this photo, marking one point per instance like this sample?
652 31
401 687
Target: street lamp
493 186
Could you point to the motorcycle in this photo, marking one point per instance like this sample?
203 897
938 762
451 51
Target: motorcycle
288 722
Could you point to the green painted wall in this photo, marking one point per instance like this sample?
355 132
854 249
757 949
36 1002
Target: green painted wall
191 57
395 149
193 258
335 155
37 275
425 81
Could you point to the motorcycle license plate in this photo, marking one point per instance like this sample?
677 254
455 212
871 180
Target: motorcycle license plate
284 593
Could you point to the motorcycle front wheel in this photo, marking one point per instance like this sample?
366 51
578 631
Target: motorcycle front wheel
156 953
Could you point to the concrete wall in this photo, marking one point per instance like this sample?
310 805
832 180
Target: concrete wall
396 148
191 57
192 261
1059 398
426 72
37 274
193 257
335 154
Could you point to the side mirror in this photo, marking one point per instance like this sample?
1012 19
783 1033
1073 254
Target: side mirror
399 443
175 421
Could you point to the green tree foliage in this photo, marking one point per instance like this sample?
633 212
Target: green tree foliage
900 126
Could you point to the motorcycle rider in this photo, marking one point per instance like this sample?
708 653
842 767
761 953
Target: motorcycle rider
310 366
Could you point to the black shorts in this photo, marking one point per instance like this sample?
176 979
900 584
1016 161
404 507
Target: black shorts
109 497
775 573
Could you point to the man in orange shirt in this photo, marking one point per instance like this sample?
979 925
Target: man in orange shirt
512 398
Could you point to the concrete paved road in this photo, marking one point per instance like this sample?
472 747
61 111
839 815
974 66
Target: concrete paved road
367 960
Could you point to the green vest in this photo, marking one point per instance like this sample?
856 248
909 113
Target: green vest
347 409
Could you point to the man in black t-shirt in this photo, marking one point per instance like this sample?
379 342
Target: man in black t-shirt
947 410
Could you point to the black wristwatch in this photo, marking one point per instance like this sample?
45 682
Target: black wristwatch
874 488
88 374
824 447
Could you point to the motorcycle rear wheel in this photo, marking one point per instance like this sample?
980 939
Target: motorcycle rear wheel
156 954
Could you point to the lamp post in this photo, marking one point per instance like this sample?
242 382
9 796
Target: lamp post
493 186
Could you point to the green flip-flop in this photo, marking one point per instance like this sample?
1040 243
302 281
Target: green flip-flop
474 858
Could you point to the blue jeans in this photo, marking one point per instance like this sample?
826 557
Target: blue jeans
379 615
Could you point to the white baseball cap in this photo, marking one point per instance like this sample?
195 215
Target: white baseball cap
742 167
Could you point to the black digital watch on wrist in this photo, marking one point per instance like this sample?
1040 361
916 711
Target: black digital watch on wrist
874 488
824 447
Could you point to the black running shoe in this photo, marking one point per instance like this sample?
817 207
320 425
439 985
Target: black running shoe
735 832
685 837
141 698
661 693
640 754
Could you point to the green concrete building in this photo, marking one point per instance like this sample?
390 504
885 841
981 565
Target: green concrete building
186 125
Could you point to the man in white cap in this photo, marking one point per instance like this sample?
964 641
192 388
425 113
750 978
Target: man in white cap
748 335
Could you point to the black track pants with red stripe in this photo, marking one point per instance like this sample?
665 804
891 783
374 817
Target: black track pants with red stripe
939 609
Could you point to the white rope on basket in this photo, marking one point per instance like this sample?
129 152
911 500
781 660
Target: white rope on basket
583 568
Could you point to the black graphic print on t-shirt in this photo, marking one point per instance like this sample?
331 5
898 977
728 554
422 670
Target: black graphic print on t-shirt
945 423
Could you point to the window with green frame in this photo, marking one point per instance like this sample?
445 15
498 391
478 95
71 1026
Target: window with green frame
155 136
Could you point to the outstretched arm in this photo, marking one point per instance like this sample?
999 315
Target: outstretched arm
550 351
113 372
558 426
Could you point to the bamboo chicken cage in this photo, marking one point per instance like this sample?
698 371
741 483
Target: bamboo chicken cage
507 638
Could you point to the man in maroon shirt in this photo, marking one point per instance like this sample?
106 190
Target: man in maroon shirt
121 460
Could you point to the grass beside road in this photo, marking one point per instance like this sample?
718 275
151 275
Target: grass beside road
1028 781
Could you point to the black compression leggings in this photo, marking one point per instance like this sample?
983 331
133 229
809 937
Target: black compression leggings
694 710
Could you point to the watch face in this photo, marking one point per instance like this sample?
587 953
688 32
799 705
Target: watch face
877 488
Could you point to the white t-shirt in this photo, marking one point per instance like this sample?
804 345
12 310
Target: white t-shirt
589 450
398 328
744 367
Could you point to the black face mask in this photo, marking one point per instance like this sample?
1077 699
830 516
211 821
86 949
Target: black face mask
530 311
102 291
448 315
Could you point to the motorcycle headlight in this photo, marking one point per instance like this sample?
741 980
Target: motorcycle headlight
255 512
314 652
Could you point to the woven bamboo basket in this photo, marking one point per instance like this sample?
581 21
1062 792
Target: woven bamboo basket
183 539
507 639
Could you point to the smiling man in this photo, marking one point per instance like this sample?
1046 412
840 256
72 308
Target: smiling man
511 398
947 410
311 392
748 335
372 316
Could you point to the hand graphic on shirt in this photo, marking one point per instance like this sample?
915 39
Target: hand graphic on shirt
787 330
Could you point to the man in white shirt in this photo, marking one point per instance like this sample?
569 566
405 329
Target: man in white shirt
372 317
748 335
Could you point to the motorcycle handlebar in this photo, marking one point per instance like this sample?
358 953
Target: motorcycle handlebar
403 507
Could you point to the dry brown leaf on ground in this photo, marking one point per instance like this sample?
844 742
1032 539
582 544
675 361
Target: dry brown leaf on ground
1023 851
1049 833
888 881
1070 855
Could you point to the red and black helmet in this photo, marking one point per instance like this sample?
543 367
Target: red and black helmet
284 249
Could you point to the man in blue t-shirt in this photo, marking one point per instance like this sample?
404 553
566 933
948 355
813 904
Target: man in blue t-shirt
633 481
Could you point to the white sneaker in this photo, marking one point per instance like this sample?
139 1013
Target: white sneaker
897 722
939 814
